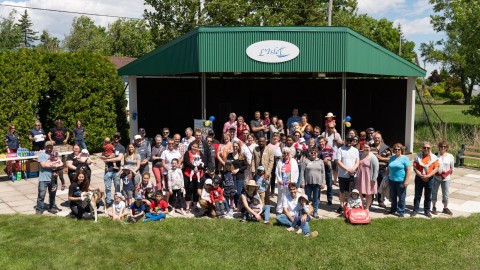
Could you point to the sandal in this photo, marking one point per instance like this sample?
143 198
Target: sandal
63 187
53 189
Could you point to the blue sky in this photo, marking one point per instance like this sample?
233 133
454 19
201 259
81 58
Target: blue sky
413 15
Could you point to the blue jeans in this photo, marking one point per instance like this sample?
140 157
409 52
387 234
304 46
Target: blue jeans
313 193
43 186
155 216
265 213
328 180
420 185
239 185
108 178
297 222
81 144
283 220
444 184
397 194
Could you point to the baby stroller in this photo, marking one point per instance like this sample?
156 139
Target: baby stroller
356 215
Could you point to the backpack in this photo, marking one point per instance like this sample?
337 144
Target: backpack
228 180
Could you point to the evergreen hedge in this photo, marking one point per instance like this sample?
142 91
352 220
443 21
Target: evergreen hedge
69 86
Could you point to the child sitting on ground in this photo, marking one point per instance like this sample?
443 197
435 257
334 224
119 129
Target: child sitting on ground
127 178
57 170
256 206
304 210
261 182
158 208
327 152
117 212
176 187
354 200
108 150
137 209
216 197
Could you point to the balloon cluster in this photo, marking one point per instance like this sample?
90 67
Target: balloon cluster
209 122
347 121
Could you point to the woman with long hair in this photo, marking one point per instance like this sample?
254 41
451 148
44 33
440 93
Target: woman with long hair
80 209
239 163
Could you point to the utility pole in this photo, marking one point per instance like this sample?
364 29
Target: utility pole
330 4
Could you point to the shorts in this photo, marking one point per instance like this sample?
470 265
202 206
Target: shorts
128 194
334 165
344 184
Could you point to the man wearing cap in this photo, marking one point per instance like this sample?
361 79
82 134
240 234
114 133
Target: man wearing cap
45 181
335 141
263 156
370 136
348 160
111 174
145 153
145 139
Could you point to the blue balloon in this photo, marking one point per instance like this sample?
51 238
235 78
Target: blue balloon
212 118
348 118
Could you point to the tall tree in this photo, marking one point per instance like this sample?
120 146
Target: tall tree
48 43
10 35
86 36
459 51
130 38
25 27
174 18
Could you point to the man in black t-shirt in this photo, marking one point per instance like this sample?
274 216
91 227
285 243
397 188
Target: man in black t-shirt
257 126
58 135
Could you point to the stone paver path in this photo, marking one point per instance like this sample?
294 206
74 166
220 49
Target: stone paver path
464 199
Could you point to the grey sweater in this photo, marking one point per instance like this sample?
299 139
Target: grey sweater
312 172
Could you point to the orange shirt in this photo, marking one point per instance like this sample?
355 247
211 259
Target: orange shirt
426 160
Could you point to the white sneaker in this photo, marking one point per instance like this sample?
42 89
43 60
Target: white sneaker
299 231
291 229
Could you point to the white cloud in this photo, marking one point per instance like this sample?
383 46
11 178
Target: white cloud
415 26
58 23
378 7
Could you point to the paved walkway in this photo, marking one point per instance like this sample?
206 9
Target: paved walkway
464 199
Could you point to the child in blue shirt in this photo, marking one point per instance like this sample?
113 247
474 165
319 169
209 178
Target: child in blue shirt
262 182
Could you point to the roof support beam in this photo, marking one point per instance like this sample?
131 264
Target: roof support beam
204 95
410 114
344 103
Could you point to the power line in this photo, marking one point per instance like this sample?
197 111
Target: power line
72 12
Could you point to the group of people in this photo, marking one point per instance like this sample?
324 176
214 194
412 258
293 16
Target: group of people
249 166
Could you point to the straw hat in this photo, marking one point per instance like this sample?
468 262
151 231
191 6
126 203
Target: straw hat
252 183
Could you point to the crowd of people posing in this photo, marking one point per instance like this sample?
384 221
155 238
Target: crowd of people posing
251 165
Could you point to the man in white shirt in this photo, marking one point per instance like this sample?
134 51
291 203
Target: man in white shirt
347 160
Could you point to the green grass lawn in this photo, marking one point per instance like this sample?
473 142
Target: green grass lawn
448 113
41 242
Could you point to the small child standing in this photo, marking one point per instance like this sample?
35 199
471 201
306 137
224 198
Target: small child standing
137 209
354 200
261 182
329 118
216 197
362 140
57 171
229 187
303 211
176 186
158 208
117 212
127 178
108 150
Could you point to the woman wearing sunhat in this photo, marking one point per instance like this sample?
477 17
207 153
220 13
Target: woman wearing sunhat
251 190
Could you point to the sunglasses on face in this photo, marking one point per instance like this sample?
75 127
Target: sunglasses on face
396 149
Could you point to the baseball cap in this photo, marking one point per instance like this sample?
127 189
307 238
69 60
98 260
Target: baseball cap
85 151
370 129
260 168
257 197
301 140
138 197
208 182
137 137
355 191
48 143
116 134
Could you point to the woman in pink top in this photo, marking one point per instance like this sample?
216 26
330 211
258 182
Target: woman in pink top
231 122
223 150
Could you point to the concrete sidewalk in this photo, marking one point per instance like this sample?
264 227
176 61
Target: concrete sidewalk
464 198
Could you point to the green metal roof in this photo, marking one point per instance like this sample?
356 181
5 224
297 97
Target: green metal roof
223 49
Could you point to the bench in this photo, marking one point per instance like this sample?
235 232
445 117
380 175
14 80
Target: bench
469 152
